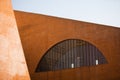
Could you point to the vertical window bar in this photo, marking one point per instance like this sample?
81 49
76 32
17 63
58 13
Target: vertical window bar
67 54
74 48
90 55
58 57
94 61
64 54
52 60
85 52
61 56
72 62
78 53
82 54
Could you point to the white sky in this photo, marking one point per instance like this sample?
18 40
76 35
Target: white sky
105 12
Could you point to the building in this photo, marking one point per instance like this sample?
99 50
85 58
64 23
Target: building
56 48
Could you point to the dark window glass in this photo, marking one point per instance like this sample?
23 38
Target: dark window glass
70 53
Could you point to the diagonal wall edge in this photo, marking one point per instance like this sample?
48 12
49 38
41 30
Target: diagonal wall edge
12 60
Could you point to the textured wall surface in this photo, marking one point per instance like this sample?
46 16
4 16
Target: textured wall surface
38 33
12 60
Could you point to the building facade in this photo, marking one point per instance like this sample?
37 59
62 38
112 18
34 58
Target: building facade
43 35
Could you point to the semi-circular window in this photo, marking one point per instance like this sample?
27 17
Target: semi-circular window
71 53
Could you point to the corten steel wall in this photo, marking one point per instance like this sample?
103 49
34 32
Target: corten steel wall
12 60
38 33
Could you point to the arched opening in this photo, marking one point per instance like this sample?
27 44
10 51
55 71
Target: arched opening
70 53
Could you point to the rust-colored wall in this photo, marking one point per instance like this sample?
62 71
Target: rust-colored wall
12 60
38 33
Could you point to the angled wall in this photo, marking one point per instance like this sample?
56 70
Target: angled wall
39 33
12 60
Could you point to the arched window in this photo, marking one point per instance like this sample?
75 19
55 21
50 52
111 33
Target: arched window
71 53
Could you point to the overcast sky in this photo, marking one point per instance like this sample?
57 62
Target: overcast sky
105 12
